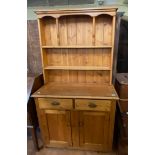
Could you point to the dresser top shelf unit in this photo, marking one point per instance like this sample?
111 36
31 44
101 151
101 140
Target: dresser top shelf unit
77 45
89 91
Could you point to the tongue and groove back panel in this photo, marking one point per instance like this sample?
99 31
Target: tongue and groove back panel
78 57
77 48
77 30
81 60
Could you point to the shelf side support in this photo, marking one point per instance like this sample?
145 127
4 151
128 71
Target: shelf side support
113 44
43 56
57 28
94 27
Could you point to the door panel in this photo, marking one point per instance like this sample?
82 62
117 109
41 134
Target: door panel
94 130
59 129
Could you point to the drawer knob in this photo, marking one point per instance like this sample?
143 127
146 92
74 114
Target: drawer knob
55 103
92 105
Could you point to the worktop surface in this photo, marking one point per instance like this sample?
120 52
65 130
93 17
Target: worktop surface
63 90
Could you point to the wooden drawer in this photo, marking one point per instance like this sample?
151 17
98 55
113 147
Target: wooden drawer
95 105
52 103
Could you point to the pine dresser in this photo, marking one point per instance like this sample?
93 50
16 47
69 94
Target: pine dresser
76 105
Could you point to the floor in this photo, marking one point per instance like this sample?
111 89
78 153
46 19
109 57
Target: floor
53 151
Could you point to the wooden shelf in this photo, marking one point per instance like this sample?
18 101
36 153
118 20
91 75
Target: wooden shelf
105 46
77 68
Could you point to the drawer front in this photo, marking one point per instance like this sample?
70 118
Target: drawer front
94 105
52 103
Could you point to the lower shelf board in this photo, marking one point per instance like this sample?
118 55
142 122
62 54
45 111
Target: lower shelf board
78 67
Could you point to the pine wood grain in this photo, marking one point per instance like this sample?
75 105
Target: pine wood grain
92 105
59 128
63 90
93 126
77 55
76 68
42 123
112 50
50 103
81 32
75 46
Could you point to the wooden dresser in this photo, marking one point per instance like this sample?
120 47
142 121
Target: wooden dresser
76 105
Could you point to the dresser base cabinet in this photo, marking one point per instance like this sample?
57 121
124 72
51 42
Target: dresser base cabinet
87 129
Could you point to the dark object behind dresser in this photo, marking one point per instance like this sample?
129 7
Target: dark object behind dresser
121 85
34 82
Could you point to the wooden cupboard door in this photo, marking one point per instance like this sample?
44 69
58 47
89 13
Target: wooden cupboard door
58 128
94 130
